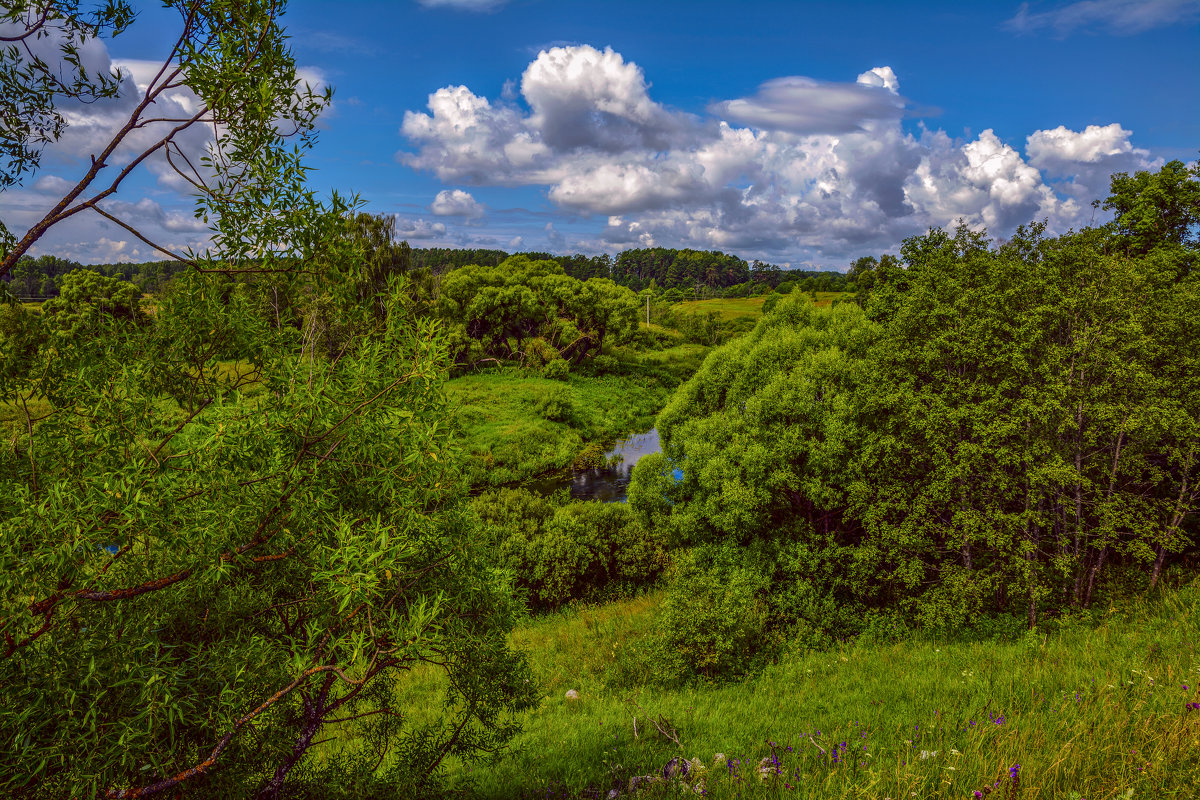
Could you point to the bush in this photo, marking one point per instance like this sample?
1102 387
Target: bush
556 370
715 615
561 550
602 365
557 405
540 353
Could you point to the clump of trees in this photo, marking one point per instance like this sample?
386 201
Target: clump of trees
996 429
533 313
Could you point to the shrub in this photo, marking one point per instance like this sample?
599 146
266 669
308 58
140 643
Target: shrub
714 617
560 550
604 365
540 353
556 370
557 405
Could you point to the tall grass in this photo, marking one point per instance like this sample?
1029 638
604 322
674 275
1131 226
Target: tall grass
1090 711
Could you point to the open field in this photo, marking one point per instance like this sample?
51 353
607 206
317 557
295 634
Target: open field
734 307
1093 710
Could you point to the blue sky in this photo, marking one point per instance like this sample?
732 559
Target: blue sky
805 134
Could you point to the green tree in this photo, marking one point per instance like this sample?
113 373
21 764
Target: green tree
1156 209
222 537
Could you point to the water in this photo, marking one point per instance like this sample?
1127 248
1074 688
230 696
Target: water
605 484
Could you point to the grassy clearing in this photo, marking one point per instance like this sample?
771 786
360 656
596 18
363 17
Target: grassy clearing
1087 712
733 307
516 426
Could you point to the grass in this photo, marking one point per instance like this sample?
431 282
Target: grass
733 307
1090 712
516 426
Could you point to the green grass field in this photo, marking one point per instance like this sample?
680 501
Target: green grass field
516 426
1091 711
734 307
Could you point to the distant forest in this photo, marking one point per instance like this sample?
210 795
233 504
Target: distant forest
690 273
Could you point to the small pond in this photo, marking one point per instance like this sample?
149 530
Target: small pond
605 484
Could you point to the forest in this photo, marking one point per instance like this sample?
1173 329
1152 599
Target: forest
272 526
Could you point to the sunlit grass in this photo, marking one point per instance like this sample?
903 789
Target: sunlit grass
509 435
1087 712
733 307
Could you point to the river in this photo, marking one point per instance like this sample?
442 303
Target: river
606 484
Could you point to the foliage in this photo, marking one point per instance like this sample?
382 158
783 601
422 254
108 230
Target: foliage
715 616
88 302
567 551
32 86
1157 209
1035 416
532 312
197 584
997 426
982 705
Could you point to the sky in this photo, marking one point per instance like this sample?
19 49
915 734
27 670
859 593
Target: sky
799 133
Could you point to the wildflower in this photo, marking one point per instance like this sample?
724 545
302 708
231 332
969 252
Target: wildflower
1013 771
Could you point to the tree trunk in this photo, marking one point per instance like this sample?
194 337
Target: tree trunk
314 709
1158 565
1097 565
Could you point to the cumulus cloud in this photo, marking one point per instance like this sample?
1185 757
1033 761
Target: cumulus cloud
418 229
1122 17
805 170
456 203
586 98
805 105
1061 150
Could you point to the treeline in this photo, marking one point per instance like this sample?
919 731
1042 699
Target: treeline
999 432
41 277
679 274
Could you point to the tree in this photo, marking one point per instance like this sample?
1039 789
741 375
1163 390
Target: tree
228 528
1155 209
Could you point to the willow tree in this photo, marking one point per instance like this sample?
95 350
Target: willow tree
228 528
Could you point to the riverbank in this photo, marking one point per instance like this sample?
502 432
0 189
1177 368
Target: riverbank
516 426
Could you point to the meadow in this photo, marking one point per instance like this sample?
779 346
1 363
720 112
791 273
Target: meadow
1102 706
517 425
731 308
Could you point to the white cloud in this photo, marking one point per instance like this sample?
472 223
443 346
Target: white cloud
586 98
1082 162
52 184
805 105
824 171
1060 150
456 203
1122 17
418 229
